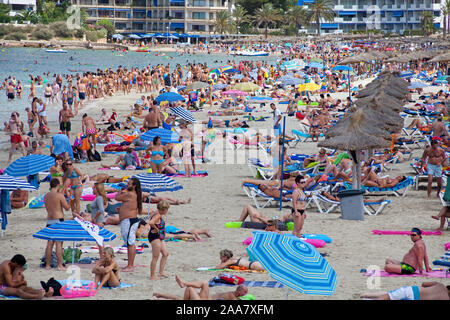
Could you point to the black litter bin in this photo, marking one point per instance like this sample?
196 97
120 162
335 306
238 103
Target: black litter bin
352 204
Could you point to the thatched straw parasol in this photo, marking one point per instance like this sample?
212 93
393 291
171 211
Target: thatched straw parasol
356 132
382 99
441 58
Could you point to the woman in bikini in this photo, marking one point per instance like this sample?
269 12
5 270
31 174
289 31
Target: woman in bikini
72 177
106 270
299 205
227 261
56 171
156 237
156 155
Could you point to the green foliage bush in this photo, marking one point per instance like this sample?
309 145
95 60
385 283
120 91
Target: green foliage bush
61 30
16 36
91 36
42 34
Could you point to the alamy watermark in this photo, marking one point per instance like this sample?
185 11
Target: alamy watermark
74 20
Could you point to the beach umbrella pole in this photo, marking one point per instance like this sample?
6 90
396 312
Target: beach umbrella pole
349 92
282 162
287 293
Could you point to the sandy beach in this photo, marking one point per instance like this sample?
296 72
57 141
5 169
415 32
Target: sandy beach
219 198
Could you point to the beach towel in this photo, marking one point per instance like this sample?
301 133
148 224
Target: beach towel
264 284
431 274
86 282
447 246
424 233
227 270
200 174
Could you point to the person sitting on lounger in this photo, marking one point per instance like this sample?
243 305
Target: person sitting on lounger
191 293
427 291
273 192
227 261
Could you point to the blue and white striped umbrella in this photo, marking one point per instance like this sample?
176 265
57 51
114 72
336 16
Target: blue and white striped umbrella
183 113
290 81
293 262
169 96
71 231
30 165
167 136
237 76
11 183
155 182
416 85
260 99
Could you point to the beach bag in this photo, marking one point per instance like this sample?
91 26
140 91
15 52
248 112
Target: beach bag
85 145
52 283
67 255
231 279
97 156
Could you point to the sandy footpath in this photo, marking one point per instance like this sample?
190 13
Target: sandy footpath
219 198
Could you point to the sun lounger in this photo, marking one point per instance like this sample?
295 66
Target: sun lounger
302 136
325 205
260 199
398 190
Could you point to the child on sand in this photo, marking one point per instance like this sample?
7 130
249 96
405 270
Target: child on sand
156 236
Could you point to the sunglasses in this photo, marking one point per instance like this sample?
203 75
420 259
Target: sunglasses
413 234
69 164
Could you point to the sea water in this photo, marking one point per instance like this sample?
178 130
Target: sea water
21 62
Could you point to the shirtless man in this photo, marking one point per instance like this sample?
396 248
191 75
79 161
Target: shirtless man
412 261
81 87
54 204
12 281
10 92
436 157
191 293
131 199
16 137
427 291
89 129
152 120
439 130
64 119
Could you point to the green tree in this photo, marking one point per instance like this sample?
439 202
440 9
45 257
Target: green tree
109 26
4 13
266 15
240 16
222 22
297 16
445 11
320 9
427 23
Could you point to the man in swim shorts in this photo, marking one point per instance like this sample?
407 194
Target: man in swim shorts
427 291
64 119
55 204
12 281
89 129
412 261
131 199
436 158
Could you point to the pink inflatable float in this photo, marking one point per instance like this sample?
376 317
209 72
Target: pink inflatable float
91 197
78 292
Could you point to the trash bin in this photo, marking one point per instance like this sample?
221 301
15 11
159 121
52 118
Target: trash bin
352 204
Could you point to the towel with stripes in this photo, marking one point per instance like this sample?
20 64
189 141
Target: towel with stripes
265 284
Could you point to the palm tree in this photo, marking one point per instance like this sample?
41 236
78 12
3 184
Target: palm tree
444 12
427 23
297 16
321 9
240 16
266 15
222 21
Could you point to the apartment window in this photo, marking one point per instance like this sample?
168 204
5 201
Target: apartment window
198 27
199 3
178 14
103 2
211 16
199 15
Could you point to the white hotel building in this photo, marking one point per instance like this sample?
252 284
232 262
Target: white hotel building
151 16
386 15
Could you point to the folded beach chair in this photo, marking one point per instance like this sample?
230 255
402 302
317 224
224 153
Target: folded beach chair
302 136
399 190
